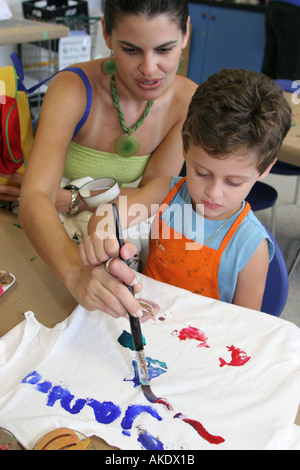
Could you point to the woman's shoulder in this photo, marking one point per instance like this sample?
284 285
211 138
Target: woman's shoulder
176 99
82 73
184 88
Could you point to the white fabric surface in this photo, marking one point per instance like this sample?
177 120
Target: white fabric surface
82 366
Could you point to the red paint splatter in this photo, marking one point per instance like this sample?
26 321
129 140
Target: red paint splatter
163 401
192 333
195 424
201 430
238 357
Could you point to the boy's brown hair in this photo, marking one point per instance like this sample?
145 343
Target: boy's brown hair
238 110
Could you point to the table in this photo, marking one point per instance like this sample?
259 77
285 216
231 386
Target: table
19 30
36 288
290 150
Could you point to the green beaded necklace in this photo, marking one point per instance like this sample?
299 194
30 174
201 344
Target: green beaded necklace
127 145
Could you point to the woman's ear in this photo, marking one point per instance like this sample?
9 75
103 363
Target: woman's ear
105 34
267 171
187 33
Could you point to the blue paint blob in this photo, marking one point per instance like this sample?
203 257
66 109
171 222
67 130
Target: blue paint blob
58 393
32 378
135 410
149 442
44 387
125 340
105 412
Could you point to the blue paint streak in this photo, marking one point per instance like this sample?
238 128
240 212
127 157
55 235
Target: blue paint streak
105 412
32 378
58 393
135 410
155 369
44 387
149 442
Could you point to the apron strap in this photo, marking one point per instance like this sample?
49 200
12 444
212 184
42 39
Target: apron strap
233 228
174 191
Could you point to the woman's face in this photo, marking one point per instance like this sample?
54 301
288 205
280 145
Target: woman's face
147 53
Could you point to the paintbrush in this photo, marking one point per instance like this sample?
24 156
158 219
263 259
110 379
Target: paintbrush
135 326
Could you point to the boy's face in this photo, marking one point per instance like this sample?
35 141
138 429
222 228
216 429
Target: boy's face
220 185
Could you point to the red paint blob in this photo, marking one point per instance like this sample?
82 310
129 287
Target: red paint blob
191 332
238 357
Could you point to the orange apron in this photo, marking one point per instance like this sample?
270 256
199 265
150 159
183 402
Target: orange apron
169 260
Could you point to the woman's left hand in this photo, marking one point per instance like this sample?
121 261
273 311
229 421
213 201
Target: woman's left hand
9 192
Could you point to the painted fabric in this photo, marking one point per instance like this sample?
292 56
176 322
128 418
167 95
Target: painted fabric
230 375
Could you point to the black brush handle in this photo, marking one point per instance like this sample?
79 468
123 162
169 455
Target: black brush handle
134 321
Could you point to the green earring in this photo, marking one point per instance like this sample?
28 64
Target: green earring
180 63
109 67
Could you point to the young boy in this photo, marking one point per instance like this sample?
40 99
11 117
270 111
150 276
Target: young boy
235 125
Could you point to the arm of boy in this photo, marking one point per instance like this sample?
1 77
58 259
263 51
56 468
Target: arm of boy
252 279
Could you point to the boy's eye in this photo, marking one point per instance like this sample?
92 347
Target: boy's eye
231 183
203 175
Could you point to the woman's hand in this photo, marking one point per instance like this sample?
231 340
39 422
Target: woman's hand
12 193
106 288
8 192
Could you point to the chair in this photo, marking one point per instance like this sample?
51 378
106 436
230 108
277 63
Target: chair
295 261
263 196
282 168
285 169
277 283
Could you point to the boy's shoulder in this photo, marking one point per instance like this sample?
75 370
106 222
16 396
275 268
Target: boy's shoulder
253 232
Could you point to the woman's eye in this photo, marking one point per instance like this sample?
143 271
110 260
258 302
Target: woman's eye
164 50
129 50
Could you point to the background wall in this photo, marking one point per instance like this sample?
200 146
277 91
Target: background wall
17 11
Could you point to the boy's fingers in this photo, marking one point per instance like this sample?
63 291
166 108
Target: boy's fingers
128 250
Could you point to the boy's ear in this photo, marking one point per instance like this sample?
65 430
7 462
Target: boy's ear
267 171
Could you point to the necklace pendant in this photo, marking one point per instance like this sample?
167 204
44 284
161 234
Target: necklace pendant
127 145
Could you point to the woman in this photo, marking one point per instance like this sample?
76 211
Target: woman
147 39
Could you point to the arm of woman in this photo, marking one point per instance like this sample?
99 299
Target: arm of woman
167 159
101 244
251 281
41 184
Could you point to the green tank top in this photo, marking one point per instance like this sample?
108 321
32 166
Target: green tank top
82 161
